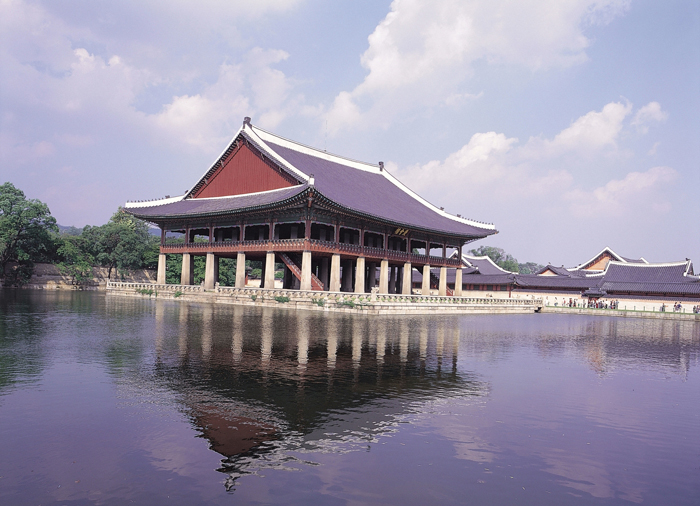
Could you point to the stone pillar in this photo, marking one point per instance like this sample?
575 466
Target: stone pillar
384 277
325 272
335 274
442 287
161 269
407 279
425 287
216 269
187 276
210 272
372 277
458 282
240 270
270 270
360 275
305 271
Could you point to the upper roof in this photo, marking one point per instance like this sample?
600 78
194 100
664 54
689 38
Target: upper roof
484 265
609 253
362 188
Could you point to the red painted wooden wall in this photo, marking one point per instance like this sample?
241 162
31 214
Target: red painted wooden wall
243 172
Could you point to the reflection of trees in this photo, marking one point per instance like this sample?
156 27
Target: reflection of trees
22 338
260 383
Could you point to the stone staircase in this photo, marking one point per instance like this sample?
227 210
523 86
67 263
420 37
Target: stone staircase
316 283
435 285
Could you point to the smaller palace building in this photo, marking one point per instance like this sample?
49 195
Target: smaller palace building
335 223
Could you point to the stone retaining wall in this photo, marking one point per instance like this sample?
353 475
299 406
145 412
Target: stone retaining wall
48 277
669 315
373 303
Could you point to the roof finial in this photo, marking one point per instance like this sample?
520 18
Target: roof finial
381 166
246 121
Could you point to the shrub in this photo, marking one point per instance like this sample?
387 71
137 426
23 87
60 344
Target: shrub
282 299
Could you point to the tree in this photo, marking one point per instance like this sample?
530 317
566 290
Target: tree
75 260
499 257
25 232
505 260
119 244
530 268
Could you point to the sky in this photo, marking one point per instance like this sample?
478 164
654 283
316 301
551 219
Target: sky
570 124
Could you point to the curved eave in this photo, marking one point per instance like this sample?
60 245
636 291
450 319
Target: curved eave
263 207
301 197
412 226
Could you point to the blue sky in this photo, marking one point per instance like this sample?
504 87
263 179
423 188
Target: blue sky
570 124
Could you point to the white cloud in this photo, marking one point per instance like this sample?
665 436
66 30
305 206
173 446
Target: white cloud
647 114
422 52
637 195
590 133
492 171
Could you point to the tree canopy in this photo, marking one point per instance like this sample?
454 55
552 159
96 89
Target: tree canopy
25 232
505 260
122 244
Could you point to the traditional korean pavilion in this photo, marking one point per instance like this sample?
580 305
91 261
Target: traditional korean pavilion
336 224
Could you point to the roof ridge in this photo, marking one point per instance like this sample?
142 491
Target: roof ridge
365 166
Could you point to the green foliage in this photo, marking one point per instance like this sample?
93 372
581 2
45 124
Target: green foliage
74 261
282 299
177 294
25 233
530 268
505 260
146 291
253 298
499 257
319 302
120 244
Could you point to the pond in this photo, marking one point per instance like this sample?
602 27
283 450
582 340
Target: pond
113 400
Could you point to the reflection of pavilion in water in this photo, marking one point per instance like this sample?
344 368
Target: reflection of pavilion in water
250 376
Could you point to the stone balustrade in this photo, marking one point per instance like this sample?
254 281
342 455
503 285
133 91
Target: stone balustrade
310 299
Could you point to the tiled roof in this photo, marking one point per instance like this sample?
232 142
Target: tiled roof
212 206
647 273
484 264
372 193
555 282
655 288
364 188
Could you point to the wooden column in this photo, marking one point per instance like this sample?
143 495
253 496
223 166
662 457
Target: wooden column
425 286
360 275
458 282
384 276
325 272
210 272
240 270
392 279
442 287
161 269
305 271
187 276
407 279
335 273
372 275
270 270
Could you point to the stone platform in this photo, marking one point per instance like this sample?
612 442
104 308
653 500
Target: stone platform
373 303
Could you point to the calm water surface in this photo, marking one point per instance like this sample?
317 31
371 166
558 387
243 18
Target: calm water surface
109 400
